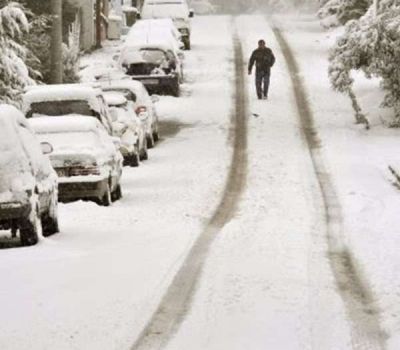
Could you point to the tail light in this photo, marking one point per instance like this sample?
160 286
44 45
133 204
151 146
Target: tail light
84 171
141 109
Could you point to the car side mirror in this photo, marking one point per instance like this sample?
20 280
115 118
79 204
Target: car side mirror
155 98
113 114
138 16
116 141
46 148
191 13
116 57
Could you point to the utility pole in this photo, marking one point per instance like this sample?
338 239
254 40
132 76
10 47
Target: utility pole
98 23
56 43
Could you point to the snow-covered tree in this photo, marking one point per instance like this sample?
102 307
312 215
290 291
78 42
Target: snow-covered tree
15 75
38 39
371 45
339 12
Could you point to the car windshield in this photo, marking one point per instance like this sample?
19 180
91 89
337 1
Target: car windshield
73 139
57 108
128 94
153 55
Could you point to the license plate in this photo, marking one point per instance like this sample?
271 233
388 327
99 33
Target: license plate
151 81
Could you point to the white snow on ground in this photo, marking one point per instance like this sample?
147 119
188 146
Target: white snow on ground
358 160
267 283
94 285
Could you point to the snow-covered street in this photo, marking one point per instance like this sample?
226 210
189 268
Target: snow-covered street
94 285
267 277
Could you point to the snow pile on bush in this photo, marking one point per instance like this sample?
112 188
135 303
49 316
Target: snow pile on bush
339 12
371 45
14 73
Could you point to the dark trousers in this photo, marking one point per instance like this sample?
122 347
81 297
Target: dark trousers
262 83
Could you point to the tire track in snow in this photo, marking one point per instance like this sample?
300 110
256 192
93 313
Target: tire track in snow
177 300
366 333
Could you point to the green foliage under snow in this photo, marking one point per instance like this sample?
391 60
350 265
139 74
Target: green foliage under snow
371 45
15 75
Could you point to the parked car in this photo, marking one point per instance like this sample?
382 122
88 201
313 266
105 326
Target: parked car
156 31
67 99
28 183
86 159
128 127
203 7
152 27
136 92
178 10
155 65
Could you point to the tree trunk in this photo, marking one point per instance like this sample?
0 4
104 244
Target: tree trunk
99 4
56 43
360 117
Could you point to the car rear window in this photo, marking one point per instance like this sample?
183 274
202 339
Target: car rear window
153 55
58 108
128 94
67 140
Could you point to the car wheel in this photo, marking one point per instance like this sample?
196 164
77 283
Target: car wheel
186 42
106 199
156 136
117 194
144 155
30 229
49 225
150 141
176 91
134 160
50 221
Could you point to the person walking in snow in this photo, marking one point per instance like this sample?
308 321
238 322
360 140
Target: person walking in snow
264 59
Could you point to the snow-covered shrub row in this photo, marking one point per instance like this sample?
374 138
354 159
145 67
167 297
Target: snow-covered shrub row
370 44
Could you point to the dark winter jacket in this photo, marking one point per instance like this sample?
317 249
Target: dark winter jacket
263 58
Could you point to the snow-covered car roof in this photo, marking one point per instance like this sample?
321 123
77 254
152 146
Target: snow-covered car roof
130 84
20 154
114 98
10 114
107 74
165 9
155 23
154 36
160 22
70 123
61 92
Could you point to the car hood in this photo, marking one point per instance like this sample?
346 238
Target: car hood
78 156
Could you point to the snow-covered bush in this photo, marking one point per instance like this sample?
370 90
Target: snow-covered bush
38 43
339 12
372 45
70 64
39 38
71 52
14 73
